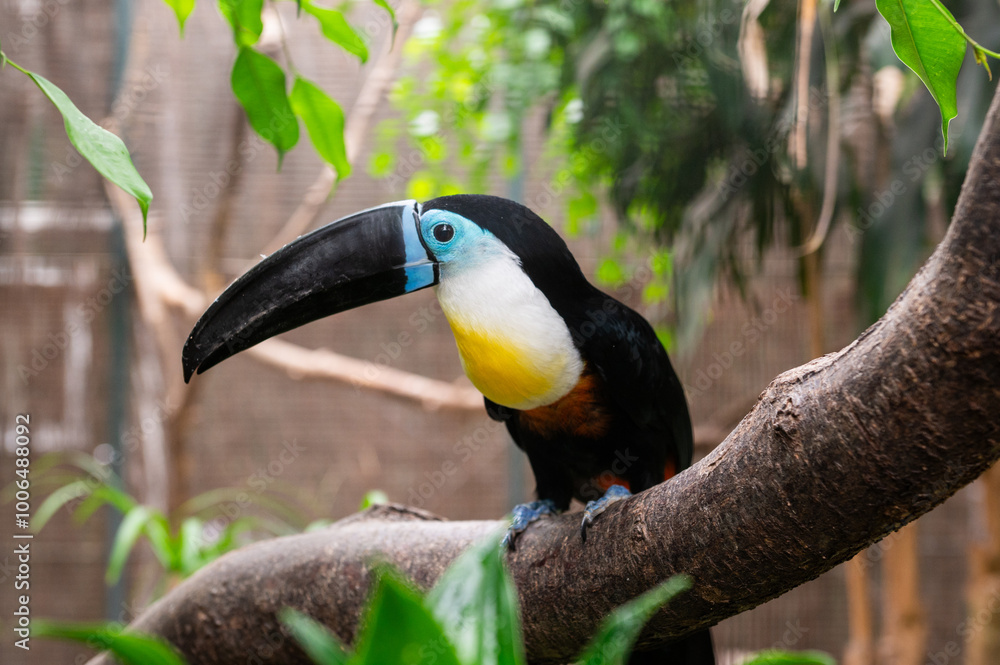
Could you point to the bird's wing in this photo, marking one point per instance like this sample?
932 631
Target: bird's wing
626 353
497 412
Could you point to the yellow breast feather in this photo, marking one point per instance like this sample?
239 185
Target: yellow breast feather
501 369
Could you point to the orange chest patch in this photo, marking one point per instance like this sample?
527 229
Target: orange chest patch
580 413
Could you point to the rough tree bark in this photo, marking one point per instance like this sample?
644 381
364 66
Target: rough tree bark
835 455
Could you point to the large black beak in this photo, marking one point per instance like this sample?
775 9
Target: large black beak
370 256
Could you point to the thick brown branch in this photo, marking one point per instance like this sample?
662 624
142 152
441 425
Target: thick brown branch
835 455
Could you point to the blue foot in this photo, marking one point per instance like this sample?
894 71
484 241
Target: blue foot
595 508
523 515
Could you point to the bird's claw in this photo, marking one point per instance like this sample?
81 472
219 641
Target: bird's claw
594 508
524 514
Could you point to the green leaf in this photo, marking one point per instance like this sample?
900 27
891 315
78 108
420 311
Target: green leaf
422 186
476 603
319 643
666 336
103 495
190 536
435 150
324 120
582 207
129 648
399 629
56 500
777 657
227 537
925 40
610 272
655 291
183 9
662 263
281 508
97 145
166 549
128 533
614 640
244 17
382 164
374 498
336 28
392 15
259 85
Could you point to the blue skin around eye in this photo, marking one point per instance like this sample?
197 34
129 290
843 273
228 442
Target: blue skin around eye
469 247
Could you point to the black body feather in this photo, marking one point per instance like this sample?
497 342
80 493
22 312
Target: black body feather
638 399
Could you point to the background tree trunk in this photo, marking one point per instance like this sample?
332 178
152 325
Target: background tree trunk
983 623
905 640
860 648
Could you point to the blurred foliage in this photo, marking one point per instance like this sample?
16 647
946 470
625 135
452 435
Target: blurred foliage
204 528
893 218
373 498
647 110
778 657
128 648
470 617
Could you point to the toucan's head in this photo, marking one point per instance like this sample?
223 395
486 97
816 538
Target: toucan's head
502 274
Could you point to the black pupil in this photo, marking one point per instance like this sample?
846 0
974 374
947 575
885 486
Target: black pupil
444 232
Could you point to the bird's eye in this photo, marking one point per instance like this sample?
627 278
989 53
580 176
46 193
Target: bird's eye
443 232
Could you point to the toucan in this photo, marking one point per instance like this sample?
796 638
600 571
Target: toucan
580 380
